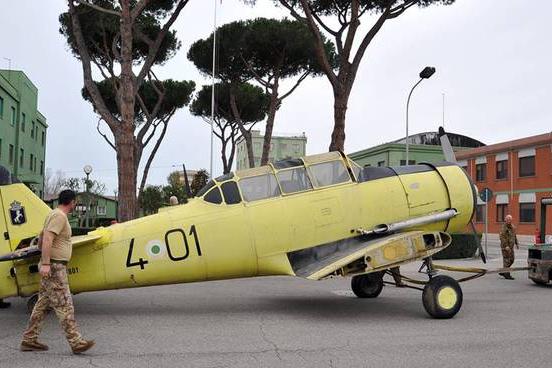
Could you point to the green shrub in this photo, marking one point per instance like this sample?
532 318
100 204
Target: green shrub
464 245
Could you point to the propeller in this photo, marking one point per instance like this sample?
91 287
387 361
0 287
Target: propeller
448 152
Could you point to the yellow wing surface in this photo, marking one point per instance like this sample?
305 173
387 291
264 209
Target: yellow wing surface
366 255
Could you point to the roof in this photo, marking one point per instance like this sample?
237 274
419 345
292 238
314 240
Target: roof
53 197
421 140
536 140
432 139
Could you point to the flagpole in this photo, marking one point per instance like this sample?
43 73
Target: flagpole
213 85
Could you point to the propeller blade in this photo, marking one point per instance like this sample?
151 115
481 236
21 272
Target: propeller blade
479 247
448 152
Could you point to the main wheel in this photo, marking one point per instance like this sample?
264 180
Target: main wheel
31 303
367 286
442 297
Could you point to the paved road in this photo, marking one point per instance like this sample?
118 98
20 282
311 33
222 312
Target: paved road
288 322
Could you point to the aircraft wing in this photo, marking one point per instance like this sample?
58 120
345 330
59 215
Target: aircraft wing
366 254
32 251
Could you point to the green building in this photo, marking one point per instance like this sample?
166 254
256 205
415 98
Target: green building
282 146
22 130
423 147
103 210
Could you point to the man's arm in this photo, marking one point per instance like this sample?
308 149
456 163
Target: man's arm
47 239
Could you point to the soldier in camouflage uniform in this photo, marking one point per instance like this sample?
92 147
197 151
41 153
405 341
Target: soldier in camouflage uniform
54 290
508 240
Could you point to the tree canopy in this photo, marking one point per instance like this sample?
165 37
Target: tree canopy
123 40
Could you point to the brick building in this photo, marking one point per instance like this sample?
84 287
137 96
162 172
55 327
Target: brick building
519 172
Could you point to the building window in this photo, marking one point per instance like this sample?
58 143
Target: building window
41 167
1 107
381 163
23 121
14 116
43 138
32 129
34 165
501 212
480 213
410 162
21 157
527 166
481 172
101 211
31 162
11 154
526 212
502 169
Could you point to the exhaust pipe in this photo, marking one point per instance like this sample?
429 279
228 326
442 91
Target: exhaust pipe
417 221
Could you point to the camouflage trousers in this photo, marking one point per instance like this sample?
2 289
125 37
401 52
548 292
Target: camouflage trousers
54 294
507 255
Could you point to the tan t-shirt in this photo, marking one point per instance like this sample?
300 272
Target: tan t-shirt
57 223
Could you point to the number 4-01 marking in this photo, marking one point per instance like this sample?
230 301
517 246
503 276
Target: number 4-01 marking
140 262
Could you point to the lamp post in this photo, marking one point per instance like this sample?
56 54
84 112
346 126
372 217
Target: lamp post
426 73
87 170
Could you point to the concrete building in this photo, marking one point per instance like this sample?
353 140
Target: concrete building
519 172
22 130
423 147
282 146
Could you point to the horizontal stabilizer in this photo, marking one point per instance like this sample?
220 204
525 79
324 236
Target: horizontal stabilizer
33 251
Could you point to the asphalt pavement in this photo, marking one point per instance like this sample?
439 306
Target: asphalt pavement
290 322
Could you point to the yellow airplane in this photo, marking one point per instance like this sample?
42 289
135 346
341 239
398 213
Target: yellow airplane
315 217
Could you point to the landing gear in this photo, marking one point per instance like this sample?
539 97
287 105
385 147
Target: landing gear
31 303
442 297
539 282
367 286
4 305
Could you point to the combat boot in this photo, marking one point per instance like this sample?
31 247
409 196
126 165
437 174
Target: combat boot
507 276
33 346
85 345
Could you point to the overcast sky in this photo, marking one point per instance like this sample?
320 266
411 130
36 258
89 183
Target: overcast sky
491 56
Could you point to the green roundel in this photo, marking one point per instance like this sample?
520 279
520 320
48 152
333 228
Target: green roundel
155 248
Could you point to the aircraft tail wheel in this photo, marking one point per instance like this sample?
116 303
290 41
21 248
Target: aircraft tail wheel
367 286
31 303
442 297
4 305
538 282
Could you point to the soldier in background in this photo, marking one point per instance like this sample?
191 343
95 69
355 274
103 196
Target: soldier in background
54 293
508 240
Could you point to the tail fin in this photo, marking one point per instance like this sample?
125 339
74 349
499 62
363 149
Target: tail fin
22 216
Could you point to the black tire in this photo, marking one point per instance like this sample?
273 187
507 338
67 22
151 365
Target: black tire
442 297
4 305
538 282
367 286
31 302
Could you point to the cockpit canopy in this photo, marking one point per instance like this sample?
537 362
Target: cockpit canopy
281 178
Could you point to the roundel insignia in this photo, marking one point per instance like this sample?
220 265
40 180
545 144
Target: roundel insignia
155 248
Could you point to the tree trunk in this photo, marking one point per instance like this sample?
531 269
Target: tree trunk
124 138
126 175
340 110
244 132
274 101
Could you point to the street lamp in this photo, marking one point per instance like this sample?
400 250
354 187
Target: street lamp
426 73
87 170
